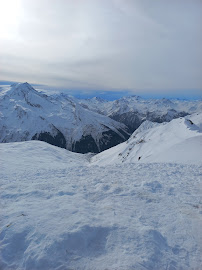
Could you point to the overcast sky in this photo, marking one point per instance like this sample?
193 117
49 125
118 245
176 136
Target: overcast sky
138 45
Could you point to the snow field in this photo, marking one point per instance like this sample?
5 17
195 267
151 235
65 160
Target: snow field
61 212
179 141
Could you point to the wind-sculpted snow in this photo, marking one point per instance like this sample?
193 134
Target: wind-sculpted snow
58 211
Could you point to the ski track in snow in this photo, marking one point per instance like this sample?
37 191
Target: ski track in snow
58 211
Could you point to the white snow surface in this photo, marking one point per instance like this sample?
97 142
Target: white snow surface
59 211
178 141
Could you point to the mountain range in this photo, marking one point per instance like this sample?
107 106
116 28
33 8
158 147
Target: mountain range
26 114
80 125
134 110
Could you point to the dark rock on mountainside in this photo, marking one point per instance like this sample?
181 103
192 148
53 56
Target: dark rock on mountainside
57 140
131 119
134 119
85 144
110 139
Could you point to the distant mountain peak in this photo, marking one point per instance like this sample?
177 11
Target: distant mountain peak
99 99
23 88
21 85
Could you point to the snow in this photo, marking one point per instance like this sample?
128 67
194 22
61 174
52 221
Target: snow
26 112
59 211
143 106
134 206
179 141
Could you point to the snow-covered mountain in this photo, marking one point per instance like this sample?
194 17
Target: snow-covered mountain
26 114
91 125
178 141
134 110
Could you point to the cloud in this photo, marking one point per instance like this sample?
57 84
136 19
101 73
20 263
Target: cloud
106 44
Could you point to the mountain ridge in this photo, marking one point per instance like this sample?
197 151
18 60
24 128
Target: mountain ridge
27 114
79 125
134 110
177 141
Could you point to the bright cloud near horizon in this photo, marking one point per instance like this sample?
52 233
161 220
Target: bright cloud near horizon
139 45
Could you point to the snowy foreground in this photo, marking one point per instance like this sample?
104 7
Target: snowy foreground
59 211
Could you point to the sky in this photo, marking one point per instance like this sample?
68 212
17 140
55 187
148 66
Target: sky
142 47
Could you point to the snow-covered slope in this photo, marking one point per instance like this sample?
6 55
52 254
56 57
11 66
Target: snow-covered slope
178 141
26 114
57 212
134 110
